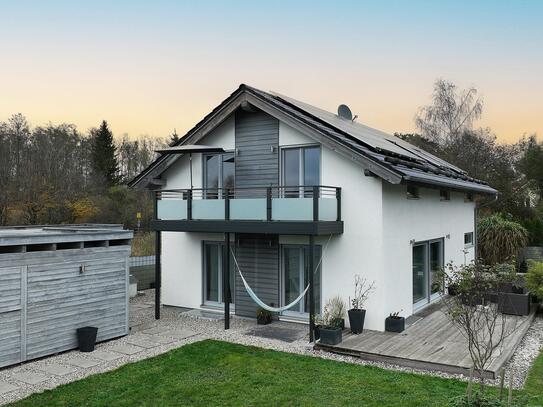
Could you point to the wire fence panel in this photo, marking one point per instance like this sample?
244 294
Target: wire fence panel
142 261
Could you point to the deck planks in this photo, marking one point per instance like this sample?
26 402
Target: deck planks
431 343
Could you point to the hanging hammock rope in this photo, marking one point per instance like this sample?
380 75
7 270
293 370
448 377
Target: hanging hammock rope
261 303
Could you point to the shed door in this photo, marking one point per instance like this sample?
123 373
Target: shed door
11 316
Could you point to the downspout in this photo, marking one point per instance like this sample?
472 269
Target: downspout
476 220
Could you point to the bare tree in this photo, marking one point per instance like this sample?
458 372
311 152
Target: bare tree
475 312
452 111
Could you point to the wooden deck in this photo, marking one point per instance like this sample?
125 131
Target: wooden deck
432 342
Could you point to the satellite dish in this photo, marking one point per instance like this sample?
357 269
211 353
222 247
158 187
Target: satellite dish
344 112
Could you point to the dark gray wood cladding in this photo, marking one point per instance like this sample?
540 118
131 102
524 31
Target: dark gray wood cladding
258 259
257 148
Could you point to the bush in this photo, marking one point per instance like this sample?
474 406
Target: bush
534 278
500 239
334 312
143 244
535 231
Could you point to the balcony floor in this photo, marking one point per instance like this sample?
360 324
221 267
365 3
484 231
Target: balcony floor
315 228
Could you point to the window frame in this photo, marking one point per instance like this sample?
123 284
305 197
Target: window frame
301 174
220 302
472 239
300 247
220 175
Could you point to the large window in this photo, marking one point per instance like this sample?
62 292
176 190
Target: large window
295 277
213 273
301 166
218 174
427 264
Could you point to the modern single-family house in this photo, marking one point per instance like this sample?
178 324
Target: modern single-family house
289 188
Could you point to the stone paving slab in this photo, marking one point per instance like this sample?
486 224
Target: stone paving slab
29 377
179 333
57 369
82 362
142 342
152 331
127 349
163 340
7 387
106 355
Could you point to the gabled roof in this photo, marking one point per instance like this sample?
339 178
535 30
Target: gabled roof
382 154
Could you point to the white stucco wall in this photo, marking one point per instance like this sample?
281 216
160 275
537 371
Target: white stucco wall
358 249
419 220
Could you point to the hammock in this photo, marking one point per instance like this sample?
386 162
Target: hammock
261 303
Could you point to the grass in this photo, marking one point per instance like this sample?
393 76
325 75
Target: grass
214 373
534 382
143 244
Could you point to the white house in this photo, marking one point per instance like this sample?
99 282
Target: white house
276 179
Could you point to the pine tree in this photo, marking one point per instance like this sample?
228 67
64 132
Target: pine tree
104 157
174 138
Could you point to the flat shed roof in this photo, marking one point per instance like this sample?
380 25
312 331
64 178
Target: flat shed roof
47 234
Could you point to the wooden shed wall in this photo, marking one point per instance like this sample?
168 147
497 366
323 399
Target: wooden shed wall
55 298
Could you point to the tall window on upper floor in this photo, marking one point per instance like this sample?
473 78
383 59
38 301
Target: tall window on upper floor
218 174
301 166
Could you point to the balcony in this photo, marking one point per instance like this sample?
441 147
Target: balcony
290 210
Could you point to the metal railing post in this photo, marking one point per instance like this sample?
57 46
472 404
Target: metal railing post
315 204
268 204
227 204
189 204
338 200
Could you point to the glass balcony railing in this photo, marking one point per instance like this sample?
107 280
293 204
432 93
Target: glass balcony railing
292 203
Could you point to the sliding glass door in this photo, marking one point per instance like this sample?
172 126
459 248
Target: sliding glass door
213 277
295 278
427 264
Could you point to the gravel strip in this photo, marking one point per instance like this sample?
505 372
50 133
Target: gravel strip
166 334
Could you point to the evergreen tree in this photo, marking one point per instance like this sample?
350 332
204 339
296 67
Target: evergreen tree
174 138
104 154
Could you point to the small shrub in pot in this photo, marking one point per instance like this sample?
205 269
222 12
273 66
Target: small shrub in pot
263 316
357 314
330 328
395 323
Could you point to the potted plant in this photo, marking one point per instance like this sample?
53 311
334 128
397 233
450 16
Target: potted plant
394 322
357 313
263 316
330 329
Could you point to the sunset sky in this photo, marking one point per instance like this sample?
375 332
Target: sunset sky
150 67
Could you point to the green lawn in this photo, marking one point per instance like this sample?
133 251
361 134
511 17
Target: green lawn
213 373
534 382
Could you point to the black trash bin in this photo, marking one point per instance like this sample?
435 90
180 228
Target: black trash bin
86 338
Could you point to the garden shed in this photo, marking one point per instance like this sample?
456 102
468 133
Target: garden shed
55 279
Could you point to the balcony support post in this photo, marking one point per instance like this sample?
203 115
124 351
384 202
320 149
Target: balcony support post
226 281
311 288
158 249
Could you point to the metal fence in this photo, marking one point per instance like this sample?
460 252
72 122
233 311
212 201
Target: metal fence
142 267
142 261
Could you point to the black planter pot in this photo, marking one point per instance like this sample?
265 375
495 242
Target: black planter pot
264 319
86 338
452 289
329 335
394 324
356 320
514 304
317 332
